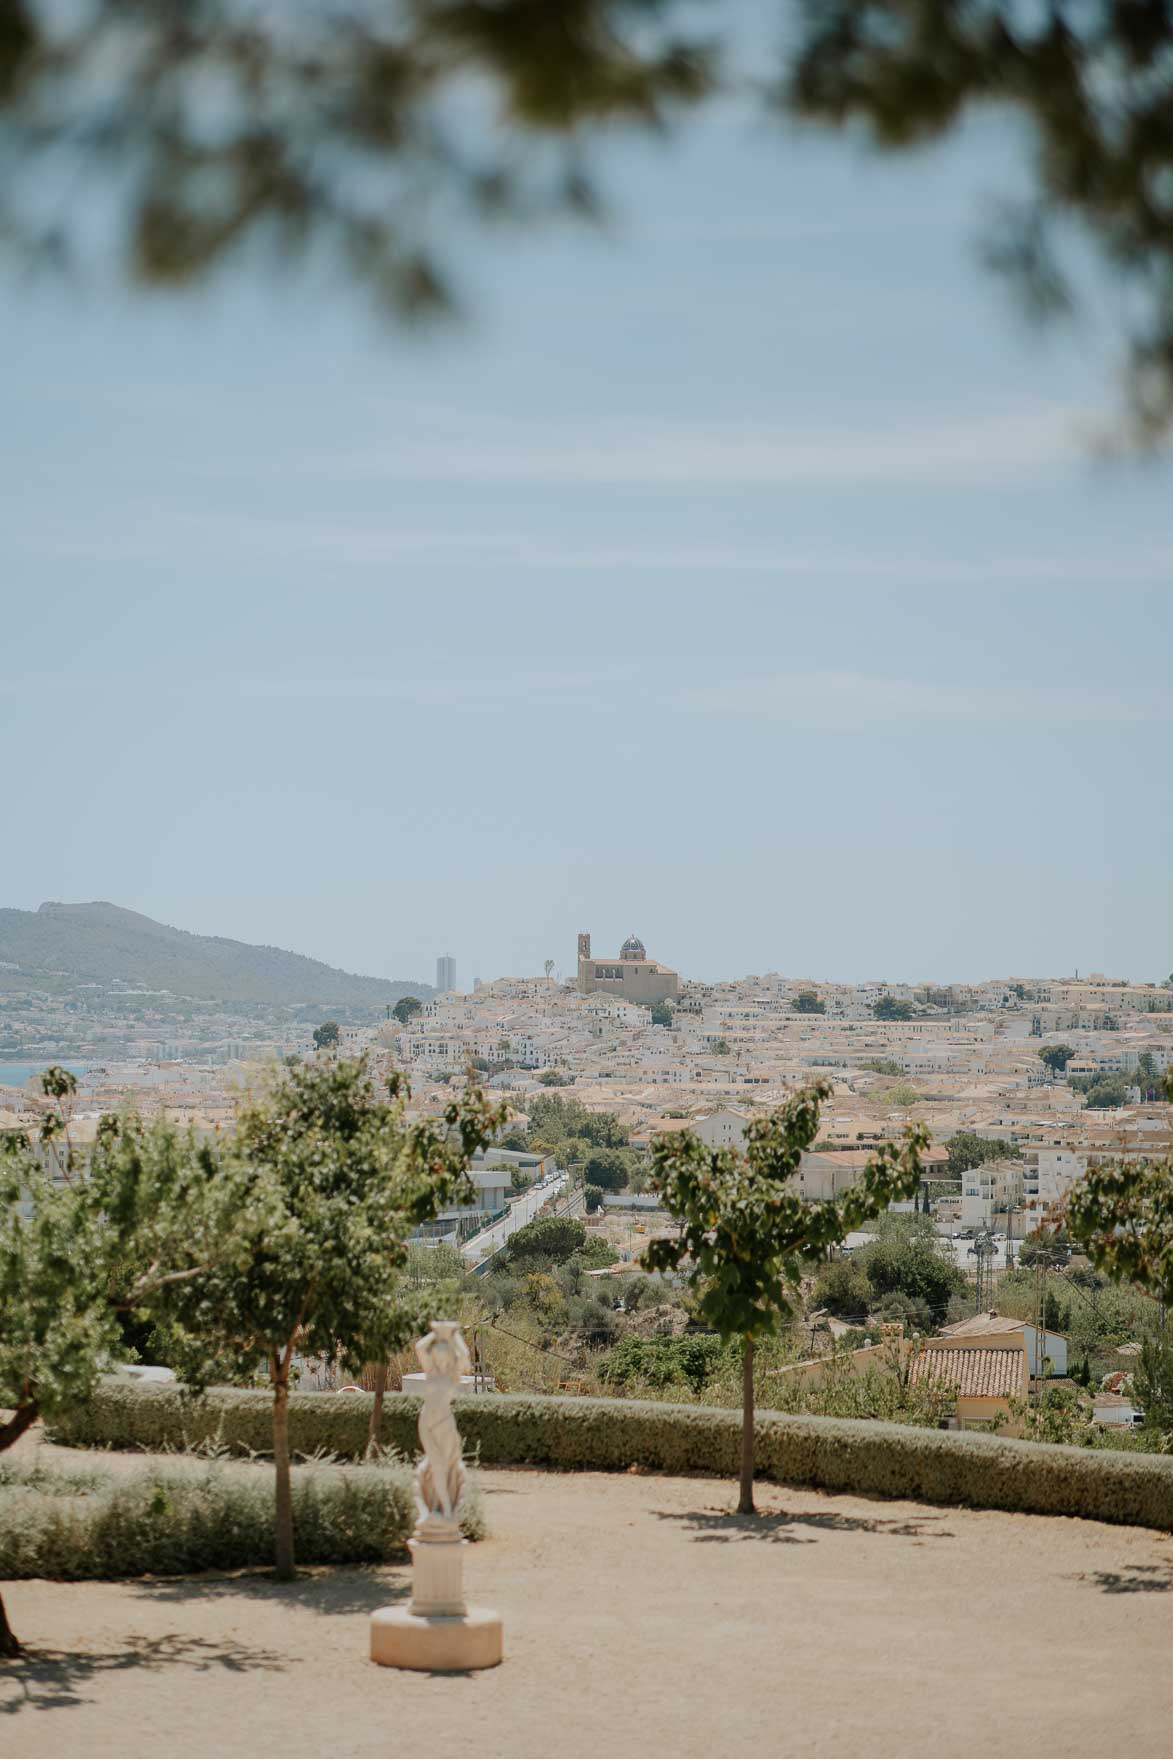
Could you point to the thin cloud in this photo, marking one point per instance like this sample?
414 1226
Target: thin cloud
839 698
1001 447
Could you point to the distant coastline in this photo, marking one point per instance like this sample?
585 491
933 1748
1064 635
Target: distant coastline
16 1074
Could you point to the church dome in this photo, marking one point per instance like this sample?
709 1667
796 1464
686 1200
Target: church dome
633 948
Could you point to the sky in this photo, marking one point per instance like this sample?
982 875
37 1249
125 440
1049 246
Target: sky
744 575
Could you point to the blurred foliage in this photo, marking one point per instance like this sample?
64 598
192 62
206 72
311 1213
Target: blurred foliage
1122 1216
364 135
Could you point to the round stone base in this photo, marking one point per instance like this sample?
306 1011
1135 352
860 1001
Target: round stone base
436 1645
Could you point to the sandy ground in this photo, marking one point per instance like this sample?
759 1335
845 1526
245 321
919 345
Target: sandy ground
641 1619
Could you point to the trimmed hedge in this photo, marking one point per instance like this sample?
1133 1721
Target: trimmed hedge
609 1435
102 1524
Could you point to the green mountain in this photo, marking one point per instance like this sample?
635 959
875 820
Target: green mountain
63 946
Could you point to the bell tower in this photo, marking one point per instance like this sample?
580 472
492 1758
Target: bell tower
584 960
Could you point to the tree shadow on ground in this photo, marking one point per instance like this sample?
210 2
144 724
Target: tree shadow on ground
352 1589
709 1525
50 1679
1141 1579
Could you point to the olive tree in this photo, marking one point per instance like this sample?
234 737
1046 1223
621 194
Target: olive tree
56 1324
746 1232
298 1237
71 1266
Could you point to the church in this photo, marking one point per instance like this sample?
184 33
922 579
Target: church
632 976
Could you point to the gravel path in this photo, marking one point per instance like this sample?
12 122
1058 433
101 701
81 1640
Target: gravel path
641 1619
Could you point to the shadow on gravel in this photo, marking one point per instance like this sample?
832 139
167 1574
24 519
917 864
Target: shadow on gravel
339 1590
778 1529
1141 1579
50 1679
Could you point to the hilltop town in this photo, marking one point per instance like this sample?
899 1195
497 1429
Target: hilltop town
1063 1070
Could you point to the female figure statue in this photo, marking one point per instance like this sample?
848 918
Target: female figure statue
439 1477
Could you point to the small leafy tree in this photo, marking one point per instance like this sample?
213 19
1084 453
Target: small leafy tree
406 1008
594 1198
556 1237
299 1239
1056 1056
807 1001
890 1008
325 1035
662 1013
745 1231
967 1149
608 1168
57 1326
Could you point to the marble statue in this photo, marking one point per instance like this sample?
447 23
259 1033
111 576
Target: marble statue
439 1479
438 1631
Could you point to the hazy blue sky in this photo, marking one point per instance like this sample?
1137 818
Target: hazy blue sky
741 577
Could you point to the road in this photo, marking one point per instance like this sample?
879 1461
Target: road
523 1209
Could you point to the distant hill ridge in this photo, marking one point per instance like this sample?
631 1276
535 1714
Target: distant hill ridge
102 943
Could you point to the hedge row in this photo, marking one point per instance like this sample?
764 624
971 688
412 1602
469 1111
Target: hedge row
868 1459
104 1524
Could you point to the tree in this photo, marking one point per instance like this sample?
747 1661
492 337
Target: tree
720 1047
608 1169
889 1008
967 1149
883 1066
77 1260
745 1231
330 138
298 1239
1148 1077
1102 1092
844 1290
908 1259
1152 1379
593 1197
808 1002
555 1119
1056 1056
57 1323
406 1008
1121 1214
325 1035
662 1013
555 1237
902 1094
548 967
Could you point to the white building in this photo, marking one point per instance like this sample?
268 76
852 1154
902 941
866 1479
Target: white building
723 1128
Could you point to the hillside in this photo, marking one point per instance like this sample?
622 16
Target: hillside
60 946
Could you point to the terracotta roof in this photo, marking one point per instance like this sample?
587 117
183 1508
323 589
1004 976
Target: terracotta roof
976 1373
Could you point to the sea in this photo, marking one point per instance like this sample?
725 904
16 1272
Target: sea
16 1074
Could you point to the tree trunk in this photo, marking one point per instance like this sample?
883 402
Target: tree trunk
745 1501
9 1647
375 1435
284 1547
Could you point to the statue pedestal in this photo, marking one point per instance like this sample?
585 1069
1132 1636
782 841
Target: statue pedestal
401 1638
437 1633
